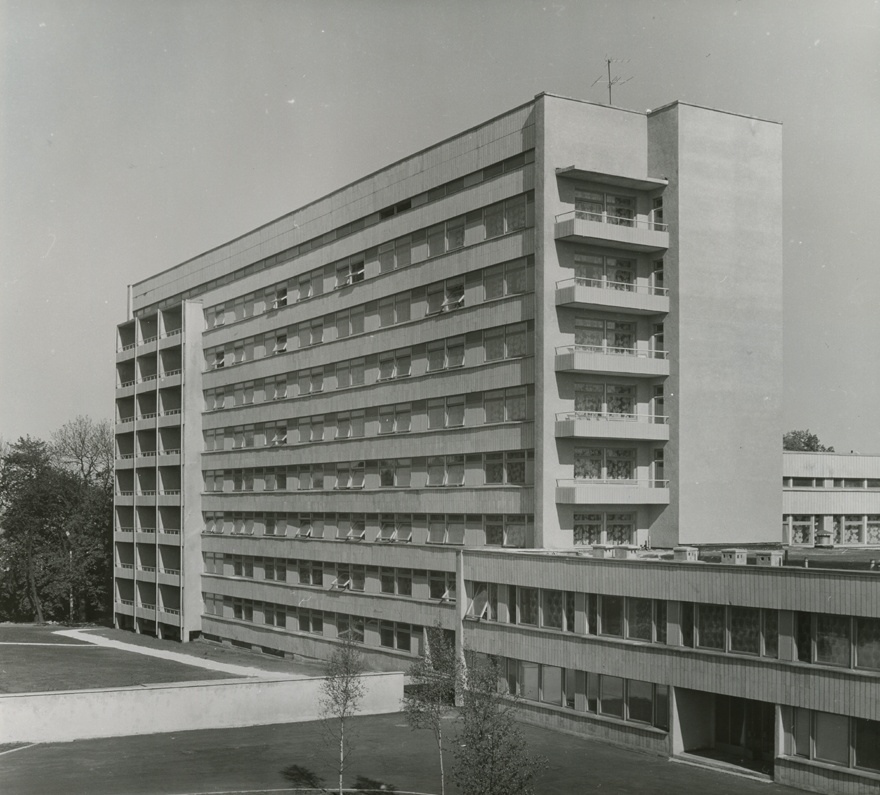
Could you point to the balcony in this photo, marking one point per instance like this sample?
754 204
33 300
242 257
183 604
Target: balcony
625 297
611 360
604 425
612 492
632 234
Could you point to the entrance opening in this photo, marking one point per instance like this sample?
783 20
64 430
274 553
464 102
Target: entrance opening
735 731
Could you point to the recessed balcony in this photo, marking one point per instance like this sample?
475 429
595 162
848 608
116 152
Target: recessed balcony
585 293
611 360
605 425
612 231
612 492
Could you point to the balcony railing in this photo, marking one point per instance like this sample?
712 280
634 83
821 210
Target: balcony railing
613 220
122 529
170 412
147 606
146 492
125 493
125 565
170 531
147 568
170 451
169 571
145 340
605 284
644 484
170 492
145 378
172 610
126 419
147 454
146 529
173 333
169 373
124 384
613 350
125 456
610 416
128 602
147 415
128 347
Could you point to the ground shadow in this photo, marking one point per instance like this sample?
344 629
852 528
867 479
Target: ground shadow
365 784
303 777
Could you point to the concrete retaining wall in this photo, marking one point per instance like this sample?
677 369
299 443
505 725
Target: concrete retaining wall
151 709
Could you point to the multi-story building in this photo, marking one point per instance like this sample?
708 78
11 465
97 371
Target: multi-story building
465 390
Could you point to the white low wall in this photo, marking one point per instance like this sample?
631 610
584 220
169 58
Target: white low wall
151 709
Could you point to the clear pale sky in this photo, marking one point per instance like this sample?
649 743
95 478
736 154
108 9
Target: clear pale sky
134 135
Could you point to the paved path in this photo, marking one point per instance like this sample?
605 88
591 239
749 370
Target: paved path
185 659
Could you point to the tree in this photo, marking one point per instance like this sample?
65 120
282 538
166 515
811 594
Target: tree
490 753
341 694
85 447
36 500
56 539
431 694
804 441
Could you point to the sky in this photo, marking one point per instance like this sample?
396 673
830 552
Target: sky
136 135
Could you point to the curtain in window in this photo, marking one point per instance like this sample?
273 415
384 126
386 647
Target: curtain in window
588 463
516 343
455 470
516 469
621 338
711 626
516 407
587 528
493 405
588 398
515 214
455 234
621 399
868 643
832 639
589 333
745 630
589 205
436 470
589 269
620 464
640 618
516 279
493 219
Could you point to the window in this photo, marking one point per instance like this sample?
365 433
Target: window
395 254
803 529
349 424
605 336
394 310
393 528
657 213
350 628
350 271
508 279
395 473
446 470
640 619
395 419
243 566
445 296
445 529
527 606
505 468
310 572
605 401
507 405
349 322
446 412
393 635
219 360
593 270
311 621
350 476
276 435
275 569
504 217
280 297
611 529
832 633
443 354
441 585
604 464
605 207
396 364
484 604
508 342
508 531
280 345
868 643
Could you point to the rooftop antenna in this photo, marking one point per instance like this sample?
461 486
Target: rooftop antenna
617 81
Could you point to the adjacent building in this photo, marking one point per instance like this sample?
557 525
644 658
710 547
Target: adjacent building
493 386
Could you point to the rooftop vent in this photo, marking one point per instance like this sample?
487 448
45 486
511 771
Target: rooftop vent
626 552
769 558
733 557
601 551
687 554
